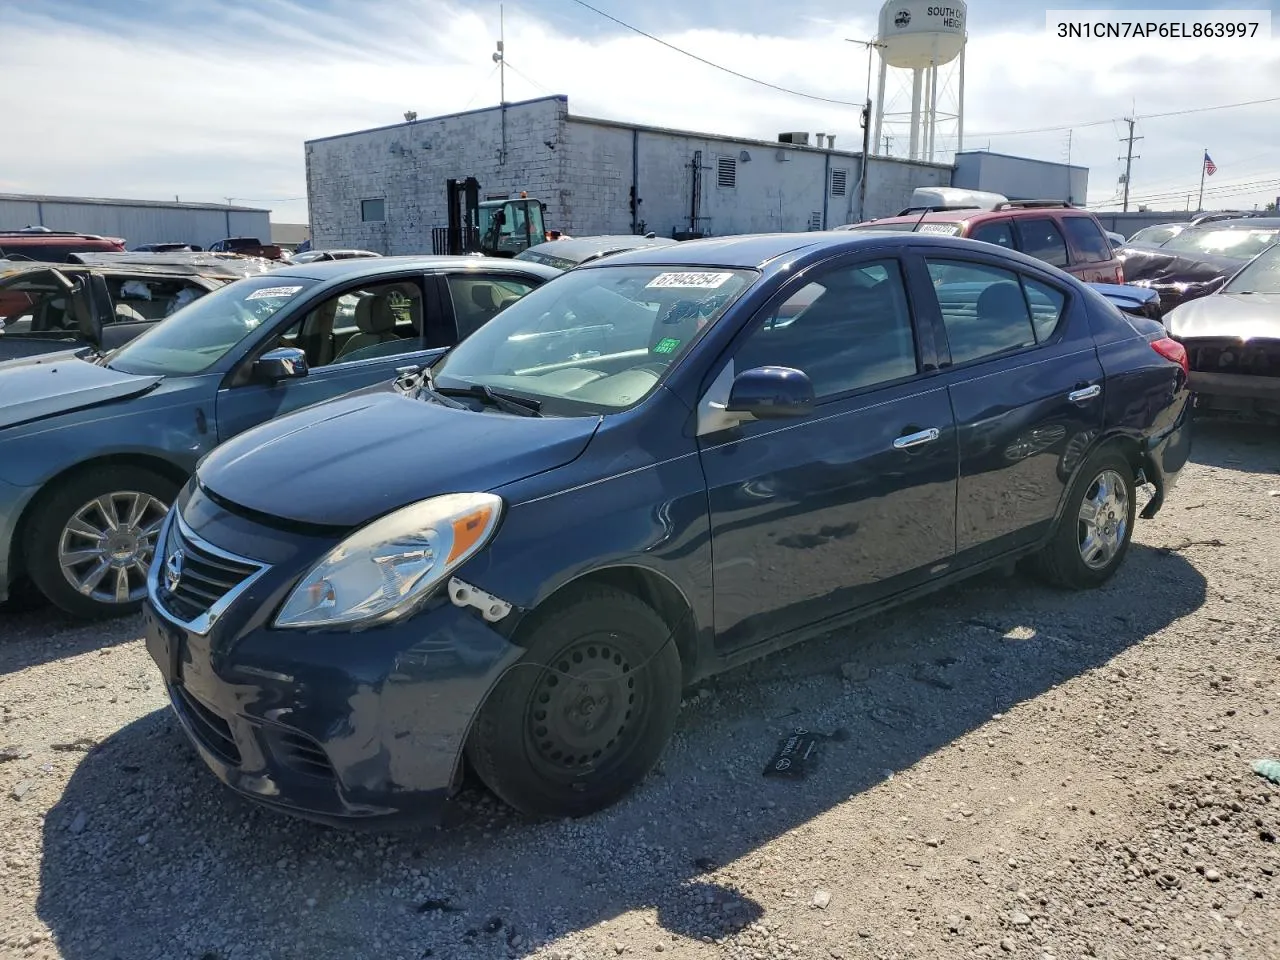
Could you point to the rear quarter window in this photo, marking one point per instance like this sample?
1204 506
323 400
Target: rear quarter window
998 232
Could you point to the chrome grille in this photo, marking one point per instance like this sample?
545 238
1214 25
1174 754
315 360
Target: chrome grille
1257 357
194 581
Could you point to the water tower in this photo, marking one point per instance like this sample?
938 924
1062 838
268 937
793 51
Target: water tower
921 36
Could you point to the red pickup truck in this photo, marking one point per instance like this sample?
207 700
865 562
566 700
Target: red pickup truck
248 247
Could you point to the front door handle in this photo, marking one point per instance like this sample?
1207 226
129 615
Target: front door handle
915 439
1086 393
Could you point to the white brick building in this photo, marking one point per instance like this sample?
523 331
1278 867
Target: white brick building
384 189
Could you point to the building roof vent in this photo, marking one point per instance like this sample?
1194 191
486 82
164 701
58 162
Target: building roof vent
801 139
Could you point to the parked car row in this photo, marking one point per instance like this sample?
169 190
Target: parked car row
549 495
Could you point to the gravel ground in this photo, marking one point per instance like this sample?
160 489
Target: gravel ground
1010 771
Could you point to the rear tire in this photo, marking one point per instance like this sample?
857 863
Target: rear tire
91 540
584 717
1096 527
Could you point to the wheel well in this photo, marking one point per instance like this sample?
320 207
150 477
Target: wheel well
155 464
659 593
1129 449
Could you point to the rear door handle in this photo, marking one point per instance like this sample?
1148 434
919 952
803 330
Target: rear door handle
1087 393
915 439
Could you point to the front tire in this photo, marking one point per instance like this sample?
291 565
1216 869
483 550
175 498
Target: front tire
91 540
584 717
1096 527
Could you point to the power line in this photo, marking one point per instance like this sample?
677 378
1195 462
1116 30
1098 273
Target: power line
1143 116
528 79
703 60
848 103
1218 191
483 84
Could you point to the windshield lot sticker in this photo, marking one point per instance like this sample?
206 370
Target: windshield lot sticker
698 281
267 293
666 345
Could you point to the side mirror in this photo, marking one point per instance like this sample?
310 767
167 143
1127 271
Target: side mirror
282 363
771 393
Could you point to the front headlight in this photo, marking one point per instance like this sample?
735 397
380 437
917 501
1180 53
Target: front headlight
383 570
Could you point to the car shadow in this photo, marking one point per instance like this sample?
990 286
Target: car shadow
145 848
33 632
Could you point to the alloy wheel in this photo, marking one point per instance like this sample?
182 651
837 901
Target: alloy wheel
107 545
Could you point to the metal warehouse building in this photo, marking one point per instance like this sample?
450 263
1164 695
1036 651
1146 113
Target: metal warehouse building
384 189
1019 178
135 221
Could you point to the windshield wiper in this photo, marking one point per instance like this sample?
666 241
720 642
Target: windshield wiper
509 403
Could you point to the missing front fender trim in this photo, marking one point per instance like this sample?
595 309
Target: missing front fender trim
465 595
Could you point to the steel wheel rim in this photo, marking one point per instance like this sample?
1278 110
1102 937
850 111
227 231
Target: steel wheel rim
582 708
1103 520
107 545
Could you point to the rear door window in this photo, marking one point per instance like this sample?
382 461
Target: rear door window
1090 242
999 232
983 308
1041 239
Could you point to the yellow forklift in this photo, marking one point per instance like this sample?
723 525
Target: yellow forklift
494 228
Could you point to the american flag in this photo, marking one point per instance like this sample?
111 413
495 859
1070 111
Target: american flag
1209 166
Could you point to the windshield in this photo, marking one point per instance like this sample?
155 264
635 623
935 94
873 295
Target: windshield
199 335
596 340
1227 243
1262 275
1155 236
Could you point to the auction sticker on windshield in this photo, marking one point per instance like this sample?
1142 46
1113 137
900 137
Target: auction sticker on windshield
268 293
702 281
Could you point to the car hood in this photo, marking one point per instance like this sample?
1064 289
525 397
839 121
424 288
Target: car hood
33 388
1254 315
350 460
1157 265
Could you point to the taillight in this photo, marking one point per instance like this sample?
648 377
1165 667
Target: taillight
1172 350
1119 273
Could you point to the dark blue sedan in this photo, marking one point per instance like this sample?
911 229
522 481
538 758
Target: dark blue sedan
93 448
648 470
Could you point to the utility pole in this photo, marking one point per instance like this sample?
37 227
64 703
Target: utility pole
866 129
888 140
500 58
1128 159
1200 202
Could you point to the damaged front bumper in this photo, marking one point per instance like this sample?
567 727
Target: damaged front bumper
346 728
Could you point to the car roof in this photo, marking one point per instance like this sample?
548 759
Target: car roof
761 251
576 248
12 268
356 267
201 263
974 213
1243 223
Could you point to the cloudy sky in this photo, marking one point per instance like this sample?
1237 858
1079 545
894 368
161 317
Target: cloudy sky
210 100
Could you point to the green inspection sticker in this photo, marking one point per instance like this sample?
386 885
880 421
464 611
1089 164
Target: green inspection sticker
666 345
